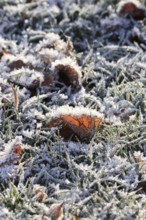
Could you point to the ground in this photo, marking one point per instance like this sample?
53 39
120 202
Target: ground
72 109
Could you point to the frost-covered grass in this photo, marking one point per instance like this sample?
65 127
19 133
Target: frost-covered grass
99 178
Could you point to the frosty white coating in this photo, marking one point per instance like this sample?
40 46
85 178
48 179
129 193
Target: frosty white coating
51 39
67 61
98 178
77 111
26 76
50 55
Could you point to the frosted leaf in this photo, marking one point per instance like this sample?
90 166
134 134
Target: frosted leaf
68 110
135 2
26 77
133 8
50 55
51 40
65 62
108 63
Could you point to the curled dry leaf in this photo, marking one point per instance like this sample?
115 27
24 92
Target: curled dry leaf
134 10
68 72
76 127
68 75
56 211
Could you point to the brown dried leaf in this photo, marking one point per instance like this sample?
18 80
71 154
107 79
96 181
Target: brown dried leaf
131 9
56 211
68 75
73 127
48 79
17 64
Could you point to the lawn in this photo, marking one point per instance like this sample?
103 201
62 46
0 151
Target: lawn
72 110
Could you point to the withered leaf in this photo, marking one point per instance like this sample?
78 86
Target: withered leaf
131 9
56 210
68 75
76 127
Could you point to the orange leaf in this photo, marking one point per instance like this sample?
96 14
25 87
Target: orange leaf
82 127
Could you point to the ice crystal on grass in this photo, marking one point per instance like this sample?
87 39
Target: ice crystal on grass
50 55
26 77
9 148
53 41
77 111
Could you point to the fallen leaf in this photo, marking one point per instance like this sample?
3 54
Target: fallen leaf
68 75
56 211
73 127
48 79
133 10
17 64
